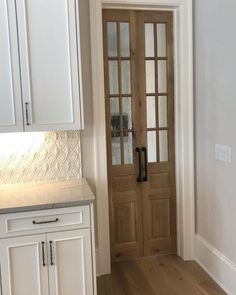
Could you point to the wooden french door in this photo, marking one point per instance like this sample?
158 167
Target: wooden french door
139 90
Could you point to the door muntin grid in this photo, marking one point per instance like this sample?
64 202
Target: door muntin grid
156 70
120 89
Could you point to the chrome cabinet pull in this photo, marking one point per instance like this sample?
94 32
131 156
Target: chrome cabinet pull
43 253
45 221
27 113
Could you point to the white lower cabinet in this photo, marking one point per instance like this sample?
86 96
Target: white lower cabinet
58 261
70 265
21 266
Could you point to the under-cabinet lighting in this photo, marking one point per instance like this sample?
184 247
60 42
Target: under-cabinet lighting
20 143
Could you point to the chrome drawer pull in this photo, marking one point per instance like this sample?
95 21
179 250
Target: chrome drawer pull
46 221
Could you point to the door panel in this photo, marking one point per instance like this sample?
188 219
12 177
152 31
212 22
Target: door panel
159 204
70 264
122 133
10 91
49 64
139 85
125 222
21 262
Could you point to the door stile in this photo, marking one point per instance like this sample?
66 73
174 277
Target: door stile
171 120
124 192
143 111
159 202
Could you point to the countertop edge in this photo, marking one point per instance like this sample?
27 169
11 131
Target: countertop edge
87 198
45 206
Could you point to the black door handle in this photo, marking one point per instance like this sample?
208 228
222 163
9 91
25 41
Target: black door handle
139 178
145 178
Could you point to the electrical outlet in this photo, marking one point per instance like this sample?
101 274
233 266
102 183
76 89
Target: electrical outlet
223 153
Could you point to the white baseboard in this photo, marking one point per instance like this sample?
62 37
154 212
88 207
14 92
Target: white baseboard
216 264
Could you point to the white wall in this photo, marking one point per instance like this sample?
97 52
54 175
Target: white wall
215 121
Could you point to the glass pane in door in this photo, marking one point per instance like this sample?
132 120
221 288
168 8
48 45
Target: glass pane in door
112 39
162 76
151 141
149 40
150 76
127 113
125 77
128 147
124 40
161 40
163 145
115 114
116 149
162 111
113 77
115 130
151 112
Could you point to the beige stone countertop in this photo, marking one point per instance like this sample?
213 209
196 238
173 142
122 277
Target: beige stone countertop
44 195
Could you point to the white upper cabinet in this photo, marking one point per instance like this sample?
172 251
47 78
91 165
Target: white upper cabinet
49 53
10 88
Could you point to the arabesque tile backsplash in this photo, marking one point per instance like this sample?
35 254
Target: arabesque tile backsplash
39 156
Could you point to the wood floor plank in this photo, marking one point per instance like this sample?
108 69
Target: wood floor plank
154 276
166 275
207 287
174 276
137 281
120 283
194 274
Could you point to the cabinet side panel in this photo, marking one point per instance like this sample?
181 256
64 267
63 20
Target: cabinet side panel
10 92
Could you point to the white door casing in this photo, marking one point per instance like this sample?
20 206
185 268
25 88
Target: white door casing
184 133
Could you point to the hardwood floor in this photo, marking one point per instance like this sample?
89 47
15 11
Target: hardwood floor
167 275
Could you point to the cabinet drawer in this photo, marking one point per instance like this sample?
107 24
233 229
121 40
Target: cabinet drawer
18 223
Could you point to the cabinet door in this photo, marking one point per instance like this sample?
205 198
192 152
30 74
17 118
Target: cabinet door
10 90
50 64
70 263
22 269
